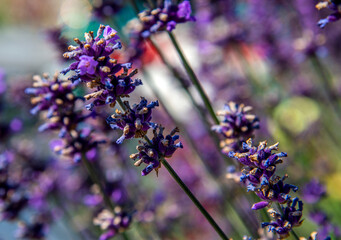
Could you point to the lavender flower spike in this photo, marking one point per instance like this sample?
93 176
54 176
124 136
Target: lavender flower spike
135 121
160 146
283 223
334 5
237 126
94 65
165 17
93 55
112 223
259 163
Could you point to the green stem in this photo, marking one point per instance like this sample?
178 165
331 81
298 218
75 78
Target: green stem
184 85
151 4
95 179
92 173
326 84
194 199
207 171
194 78
183 185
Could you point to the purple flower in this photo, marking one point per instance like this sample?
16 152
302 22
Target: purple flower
313 191
284 222
34 230
56 38
106 8
237 126
326 227
259 163
92 56
112 223
87 65
135 121
52 95
273 190
165 17
94 65
76 142
159 147
334 5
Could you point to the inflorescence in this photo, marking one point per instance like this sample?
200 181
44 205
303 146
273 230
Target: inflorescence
335 6
55 97
237 126
258 173
94 66
97 69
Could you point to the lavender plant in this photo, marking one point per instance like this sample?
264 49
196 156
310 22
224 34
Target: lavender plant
333 17
262 54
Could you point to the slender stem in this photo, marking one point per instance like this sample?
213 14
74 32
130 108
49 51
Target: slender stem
326 81
199 109
92 173
135 6
295 234
151 4
194 199
120 102
183 185
181 80
194 78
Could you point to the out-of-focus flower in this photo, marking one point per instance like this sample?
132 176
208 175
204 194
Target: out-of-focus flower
159 147
165 17
325 226
36 229
12 198
237 126
284 222
135 121
112 223
51 95
55 37
106 8
313 191
335 6
56 97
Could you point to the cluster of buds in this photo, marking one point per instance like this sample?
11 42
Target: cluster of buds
237 126
106 8
165 17
94 65
76 142
135 121
259 163
334 5
289 217
55 96
112 223
152 151
12 198
35 229
258 172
